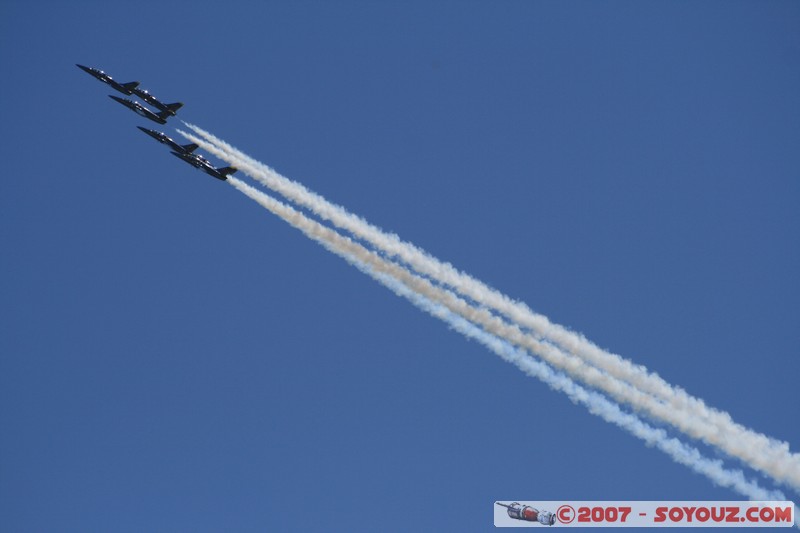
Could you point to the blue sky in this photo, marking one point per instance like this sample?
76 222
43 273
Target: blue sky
174 358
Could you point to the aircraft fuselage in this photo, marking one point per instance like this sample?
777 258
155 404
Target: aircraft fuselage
163 139
170 109
124 88
139 109
203 164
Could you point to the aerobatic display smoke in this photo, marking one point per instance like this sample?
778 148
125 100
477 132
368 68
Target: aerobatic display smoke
619 378
428 298
431 290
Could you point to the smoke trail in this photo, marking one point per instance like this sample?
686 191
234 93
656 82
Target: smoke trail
594 402
685 412
443 272
382 271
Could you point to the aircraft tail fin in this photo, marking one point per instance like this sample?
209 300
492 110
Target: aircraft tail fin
227 171
189 148
174 107
131 85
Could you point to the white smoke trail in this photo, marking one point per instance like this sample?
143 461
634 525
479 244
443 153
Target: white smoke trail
442 272
687 413
383 271
594 402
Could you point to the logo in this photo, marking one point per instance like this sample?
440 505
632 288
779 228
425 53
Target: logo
760 514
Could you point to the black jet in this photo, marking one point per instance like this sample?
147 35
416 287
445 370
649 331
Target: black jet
198 161
163 139
138 108
124 88
153 101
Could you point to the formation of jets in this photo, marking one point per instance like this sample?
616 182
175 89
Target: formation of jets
185 151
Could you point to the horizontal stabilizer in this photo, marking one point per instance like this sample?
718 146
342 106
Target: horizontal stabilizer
174 107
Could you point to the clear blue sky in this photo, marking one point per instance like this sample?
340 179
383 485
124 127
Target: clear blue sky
174 358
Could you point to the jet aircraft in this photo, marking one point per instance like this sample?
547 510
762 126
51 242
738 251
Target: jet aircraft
153 101
124 88
203 164
163 139
138 108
